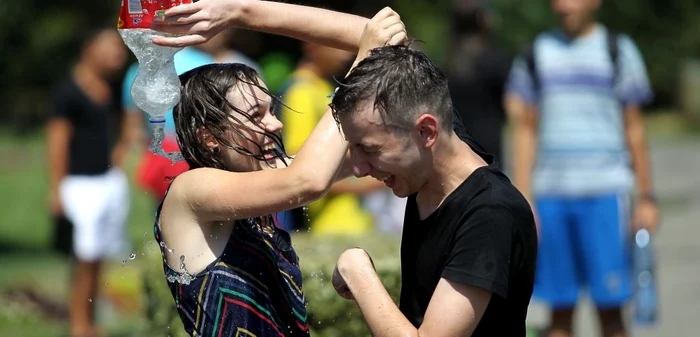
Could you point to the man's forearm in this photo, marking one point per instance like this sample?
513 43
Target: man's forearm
381 314
523 159
636 141
524 143
333 29
57 153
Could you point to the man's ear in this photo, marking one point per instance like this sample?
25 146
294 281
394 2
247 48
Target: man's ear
427 128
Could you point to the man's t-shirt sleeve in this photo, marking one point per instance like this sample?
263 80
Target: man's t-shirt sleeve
482 248
632 85
520 83
61 103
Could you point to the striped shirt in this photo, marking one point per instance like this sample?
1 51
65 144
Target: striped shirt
253 289
582 147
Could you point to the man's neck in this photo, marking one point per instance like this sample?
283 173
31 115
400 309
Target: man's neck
86 72
453 163
584 31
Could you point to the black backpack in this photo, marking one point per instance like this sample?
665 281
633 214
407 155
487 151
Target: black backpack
529 56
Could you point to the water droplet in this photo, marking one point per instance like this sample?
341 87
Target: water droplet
144 253
106 283
145 233
123 263
90 300
132 255
182 262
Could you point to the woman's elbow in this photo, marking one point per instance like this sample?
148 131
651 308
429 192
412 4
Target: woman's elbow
313 185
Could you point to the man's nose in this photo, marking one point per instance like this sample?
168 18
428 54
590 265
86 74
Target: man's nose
360 166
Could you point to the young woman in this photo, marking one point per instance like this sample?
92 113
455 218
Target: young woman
231 271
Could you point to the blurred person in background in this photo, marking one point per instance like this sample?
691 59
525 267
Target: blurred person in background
306 95
576 99
86 147
477 72
155 171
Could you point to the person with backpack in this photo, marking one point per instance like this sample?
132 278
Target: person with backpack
579 153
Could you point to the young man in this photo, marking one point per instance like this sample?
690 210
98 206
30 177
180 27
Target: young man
307 92
579 139
469 241
477 70
86 146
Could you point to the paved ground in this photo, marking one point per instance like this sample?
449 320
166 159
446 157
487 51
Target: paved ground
676 174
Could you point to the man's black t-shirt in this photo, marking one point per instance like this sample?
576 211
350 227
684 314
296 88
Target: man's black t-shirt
483 235
96 127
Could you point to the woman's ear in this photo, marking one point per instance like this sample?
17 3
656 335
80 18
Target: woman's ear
206 138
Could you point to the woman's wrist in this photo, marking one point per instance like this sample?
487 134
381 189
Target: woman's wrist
241 12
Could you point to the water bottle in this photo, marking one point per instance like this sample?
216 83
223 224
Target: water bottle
645 295
156 88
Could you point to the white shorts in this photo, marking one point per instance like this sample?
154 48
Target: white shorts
98 207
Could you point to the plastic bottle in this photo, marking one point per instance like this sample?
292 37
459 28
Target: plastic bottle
156 88
645 296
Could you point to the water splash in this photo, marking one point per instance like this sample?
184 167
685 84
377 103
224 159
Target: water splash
162 244
156 146
183 277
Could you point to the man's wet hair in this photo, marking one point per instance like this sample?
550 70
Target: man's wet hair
401 83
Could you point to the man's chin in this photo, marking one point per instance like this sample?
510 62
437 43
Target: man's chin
400 193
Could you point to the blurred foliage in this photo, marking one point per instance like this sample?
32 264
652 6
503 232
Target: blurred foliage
39 45
328 314
40 39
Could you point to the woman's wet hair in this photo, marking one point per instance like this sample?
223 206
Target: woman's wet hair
203 104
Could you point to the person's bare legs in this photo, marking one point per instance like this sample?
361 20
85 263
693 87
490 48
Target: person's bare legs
561 323
611 322
84 294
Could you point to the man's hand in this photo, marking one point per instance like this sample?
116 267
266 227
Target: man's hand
353 260
384 29
196 22
646 215
340 286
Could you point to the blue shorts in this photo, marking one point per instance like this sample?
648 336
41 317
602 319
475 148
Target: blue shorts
583 243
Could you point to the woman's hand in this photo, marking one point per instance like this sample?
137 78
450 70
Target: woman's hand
197 22
384 29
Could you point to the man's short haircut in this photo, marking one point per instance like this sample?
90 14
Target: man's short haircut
401 83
